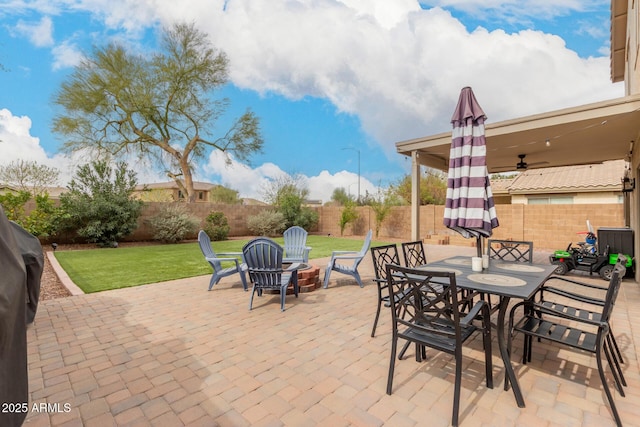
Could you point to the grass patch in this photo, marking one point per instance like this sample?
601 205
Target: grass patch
98 270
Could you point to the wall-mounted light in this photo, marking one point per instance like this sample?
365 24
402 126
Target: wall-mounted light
628 184
547 143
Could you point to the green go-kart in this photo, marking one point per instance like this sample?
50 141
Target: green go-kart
576 258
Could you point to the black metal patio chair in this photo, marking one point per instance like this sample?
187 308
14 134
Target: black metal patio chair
586 329
381 256
413 253
427 313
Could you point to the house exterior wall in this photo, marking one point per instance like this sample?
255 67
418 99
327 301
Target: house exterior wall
632 86
578 198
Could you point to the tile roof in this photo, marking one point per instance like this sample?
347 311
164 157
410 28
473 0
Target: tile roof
604 176
501 185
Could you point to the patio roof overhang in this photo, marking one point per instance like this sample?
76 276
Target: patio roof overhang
618 39
585 134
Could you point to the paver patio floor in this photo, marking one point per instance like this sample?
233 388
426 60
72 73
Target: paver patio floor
172 353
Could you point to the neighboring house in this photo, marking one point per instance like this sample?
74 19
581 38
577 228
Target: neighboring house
169 191
500 190
54 192
6 188
584 184
253 202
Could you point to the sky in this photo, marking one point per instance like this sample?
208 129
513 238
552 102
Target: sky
335 83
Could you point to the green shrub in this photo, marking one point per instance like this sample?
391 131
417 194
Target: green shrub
99 206
13 205
217 226
349 214
267 223
41 221
173 223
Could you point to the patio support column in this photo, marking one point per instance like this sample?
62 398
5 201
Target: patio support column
415 196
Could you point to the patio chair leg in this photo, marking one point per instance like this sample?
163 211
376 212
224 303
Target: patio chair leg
392 362
327 274
615 369
375 321
358 279
612 340
603 380
253 292
404 349
244 281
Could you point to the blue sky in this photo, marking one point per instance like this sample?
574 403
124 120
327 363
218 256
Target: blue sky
322 75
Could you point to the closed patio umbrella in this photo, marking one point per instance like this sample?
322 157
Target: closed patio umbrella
469 208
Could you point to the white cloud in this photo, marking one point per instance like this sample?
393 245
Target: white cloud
39 33
517 9
66 55
252 182
403 81
399 68
16 143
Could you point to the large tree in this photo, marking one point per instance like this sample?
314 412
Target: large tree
433 188
29 176
288 194
159 107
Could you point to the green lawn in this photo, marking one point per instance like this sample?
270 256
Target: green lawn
98 270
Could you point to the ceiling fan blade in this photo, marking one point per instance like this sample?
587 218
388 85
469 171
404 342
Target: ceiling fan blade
537 163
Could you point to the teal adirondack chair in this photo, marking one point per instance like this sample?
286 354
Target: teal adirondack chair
216 262
352 259
264 263
295 245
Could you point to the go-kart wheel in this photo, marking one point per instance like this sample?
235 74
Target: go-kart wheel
561 269
606 272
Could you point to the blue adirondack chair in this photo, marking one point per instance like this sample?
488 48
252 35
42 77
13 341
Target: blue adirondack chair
264 263
295 245
216 261
353 261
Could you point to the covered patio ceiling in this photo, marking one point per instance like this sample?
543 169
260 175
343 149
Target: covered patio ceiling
586 134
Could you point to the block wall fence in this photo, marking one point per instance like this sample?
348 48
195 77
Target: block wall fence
548 226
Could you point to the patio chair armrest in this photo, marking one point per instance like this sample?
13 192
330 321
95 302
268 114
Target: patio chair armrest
343 252
475 310
346 255
539 308
572 296
574 282
223 259
230 254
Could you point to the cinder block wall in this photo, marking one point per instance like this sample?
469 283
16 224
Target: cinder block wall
236 215
548 226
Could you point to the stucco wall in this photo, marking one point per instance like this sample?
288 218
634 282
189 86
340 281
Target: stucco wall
578 198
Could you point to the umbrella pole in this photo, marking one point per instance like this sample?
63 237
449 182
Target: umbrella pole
479 245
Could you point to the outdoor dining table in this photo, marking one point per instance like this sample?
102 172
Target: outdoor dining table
506 280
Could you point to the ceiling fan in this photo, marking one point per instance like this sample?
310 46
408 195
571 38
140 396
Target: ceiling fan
521 165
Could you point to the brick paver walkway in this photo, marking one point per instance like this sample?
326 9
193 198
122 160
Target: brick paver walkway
173 354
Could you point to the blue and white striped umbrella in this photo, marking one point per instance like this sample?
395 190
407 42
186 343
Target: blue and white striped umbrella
469 208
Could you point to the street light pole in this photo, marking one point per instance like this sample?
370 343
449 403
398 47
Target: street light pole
358 151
